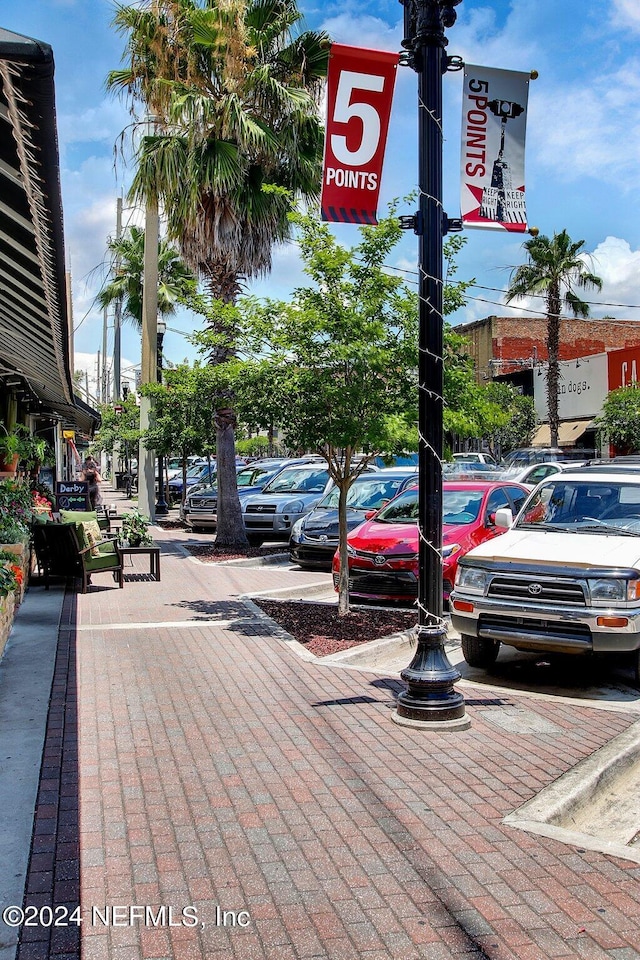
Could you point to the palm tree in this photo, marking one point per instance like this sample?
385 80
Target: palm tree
234 93
176 283
556 269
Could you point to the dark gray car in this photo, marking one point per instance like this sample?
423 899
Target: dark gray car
314 538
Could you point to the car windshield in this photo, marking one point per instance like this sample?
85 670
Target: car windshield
404 509
300 480
458 506
198 469
461 506
256 476
593 506
366 494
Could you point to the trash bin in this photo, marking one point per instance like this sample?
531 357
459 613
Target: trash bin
120 475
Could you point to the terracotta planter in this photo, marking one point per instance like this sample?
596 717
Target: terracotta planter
9 466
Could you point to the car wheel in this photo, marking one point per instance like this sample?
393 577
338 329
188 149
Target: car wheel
479 652
255 541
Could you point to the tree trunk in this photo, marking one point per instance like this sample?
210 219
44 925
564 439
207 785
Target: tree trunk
553 348
343 583
230 529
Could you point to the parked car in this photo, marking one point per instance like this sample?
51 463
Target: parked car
314 537
200 473
200 508
294 491
564 578
474 456
383 551
174 465
470 470
395 460
532 475
525 455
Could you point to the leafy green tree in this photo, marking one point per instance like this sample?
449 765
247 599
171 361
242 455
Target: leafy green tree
120 429
460 390
506 418
176 283
555 269
620 419
183 413
339 359
234 90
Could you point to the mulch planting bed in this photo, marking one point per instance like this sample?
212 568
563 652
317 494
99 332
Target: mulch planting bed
319 628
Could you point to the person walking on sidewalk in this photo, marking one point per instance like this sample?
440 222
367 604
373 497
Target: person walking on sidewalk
92 476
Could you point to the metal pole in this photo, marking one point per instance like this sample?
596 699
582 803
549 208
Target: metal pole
146 459
162 507
104 396
117 318
430 700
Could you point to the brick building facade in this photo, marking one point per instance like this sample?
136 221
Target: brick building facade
510 345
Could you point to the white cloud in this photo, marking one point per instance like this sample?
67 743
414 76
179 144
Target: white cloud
627 13
371 32
88 364
590 129
619 267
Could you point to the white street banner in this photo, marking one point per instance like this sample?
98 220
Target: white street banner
494 117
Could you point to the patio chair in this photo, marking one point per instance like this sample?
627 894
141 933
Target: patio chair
56 550
96 556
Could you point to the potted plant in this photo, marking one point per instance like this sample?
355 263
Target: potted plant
35 453
135 529
11 447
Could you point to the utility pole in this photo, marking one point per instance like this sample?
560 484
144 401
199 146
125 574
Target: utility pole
104 396
148 371
117 318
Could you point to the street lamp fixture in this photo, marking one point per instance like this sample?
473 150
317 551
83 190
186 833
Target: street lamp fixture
162 507
430 700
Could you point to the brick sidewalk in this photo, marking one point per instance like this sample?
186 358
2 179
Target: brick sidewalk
194 761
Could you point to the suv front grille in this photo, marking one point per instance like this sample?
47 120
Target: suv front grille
261 508
534 590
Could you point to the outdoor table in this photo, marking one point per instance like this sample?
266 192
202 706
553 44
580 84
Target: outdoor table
153 552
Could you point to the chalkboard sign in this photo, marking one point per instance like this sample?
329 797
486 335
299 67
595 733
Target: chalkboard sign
72 495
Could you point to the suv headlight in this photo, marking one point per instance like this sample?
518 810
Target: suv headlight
610 590
294 506
471 579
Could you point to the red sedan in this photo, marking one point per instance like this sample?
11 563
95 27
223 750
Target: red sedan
383 551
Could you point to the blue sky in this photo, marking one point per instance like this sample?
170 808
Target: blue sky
583 143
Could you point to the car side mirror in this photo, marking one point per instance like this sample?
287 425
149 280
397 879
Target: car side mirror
503 518
369 514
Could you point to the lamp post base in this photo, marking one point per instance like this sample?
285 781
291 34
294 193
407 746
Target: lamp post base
430 700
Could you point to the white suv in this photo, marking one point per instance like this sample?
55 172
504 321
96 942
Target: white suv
565 578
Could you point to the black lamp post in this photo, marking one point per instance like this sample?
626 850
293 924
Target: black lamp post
162 507
430 699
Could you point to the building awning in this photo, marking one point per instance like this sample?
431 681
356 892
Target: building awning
569 432
35 344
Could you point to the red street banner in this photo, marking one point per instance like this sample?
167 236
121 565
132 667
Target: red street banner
359 93
494 116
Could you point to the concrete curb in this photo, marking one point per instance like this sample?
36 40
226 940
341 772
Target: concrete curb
561 802
301 592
